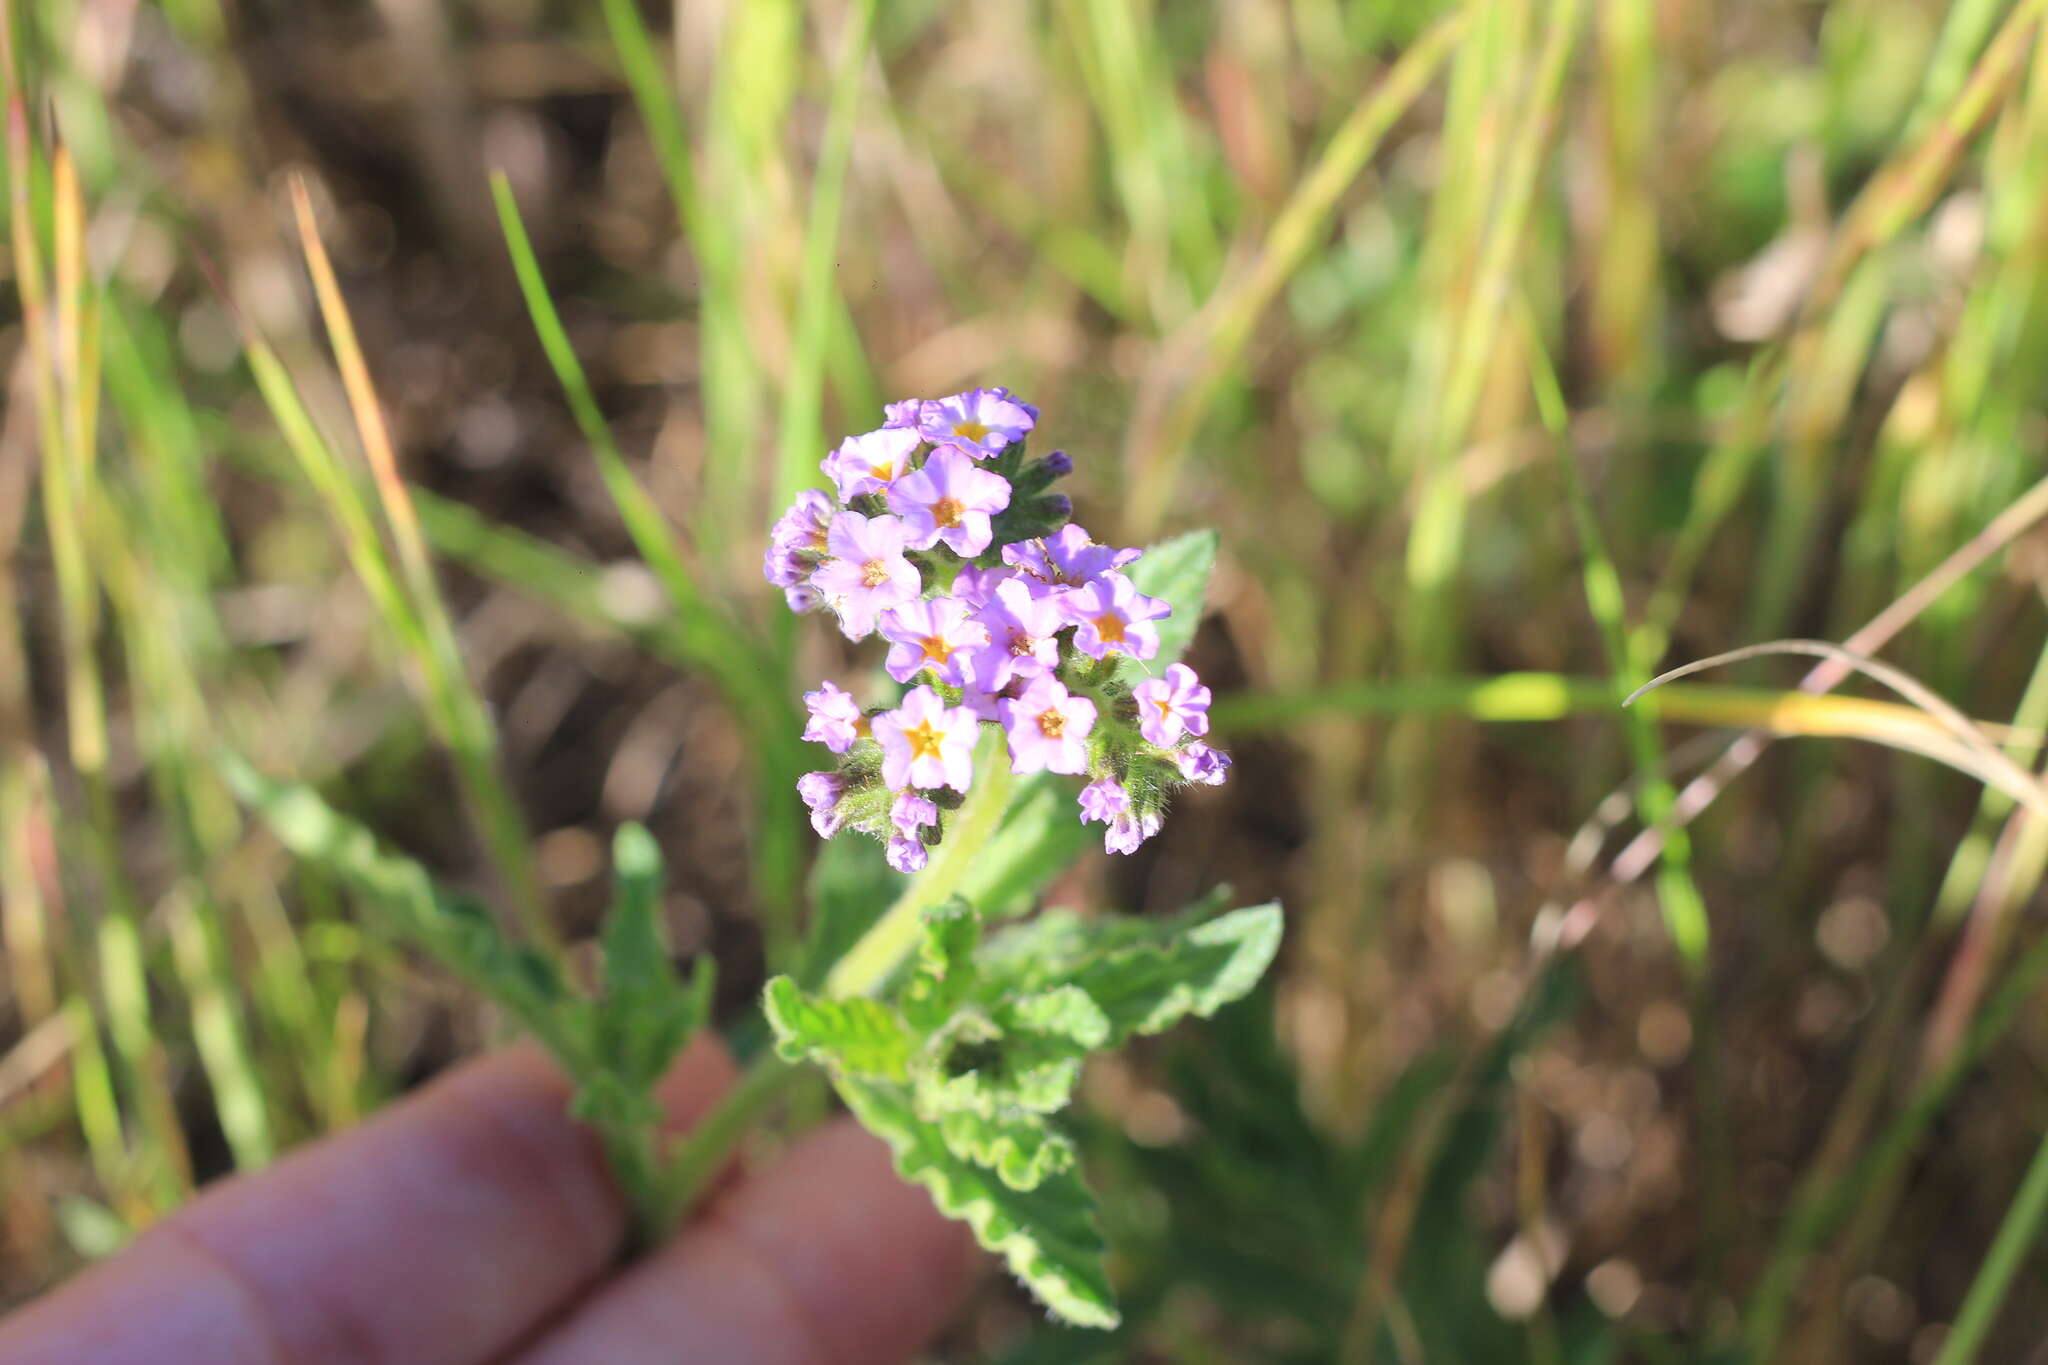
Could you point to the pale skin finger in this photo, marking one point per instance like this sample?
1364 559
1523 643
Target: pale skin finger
825 1259
438 1233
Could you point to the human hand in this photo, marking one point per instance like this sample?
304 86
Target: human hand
474 1224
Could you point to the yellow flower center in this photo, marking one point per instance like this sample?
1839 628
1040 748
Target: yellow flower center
1165 708
947 511
875 573
970 430
884 472
924 740
1110 628
1051 724
936 648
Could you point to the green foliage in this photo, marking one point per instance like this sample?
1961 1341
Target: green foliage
1177 571
858 1037
646 1011
615 1045
456 930
983 1042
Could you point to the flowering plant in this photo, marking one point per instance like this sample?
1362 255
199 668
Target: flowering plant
1000 614
1041 693
1023 650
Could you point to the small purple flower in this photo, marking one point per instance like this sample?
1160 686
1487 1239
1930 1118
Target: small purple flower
907 855
934 633
1103 800
804 525
795 546
982 421
1113 617
1201 764
1048 728
870 463
821 792
1058 465
976 586
1171 706
866 573
926 743
1020 636
950 500
903 414
1128 831
911 811
835 718
1066 559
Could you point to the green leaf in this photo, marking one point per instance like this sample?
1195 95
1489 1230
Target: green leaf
991 1075
647 1013
1068 1013
1023 1150
1039 838
1046 1234
636 955
1144 975
858 1037
456 930
851 885
944 972
1178 571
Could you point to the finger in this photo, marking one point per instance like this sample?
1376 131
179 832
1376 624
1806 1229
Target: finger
825 1259
437 1233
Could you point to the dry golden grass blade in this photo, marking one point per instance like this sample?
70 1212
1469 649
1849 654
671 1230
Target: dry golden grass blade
362 396
457 713
1970 751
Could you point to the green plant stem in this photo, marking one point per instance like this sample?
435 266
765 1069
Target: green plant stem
2016 1237
870 961
700 1157
629 1151
864 969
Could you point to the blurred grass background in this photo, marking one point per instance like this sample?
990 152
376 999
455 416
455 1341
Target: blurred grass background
1519 348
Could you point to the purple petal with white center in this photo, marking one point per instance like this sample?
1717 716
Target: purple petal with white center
980 421
950 499
1048 728
1171 706
1113 617
934 633
869 463
866 573
1021 636
926 743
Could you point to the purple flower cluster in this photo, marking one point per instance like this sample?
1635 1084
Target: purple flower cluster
998 612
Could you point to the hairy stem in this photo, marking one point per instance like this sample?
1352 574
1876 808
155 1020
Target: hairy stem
868 964
865 968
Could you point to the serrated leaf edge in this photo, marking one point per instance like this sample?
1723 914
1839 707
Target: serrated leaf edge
1021 1251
